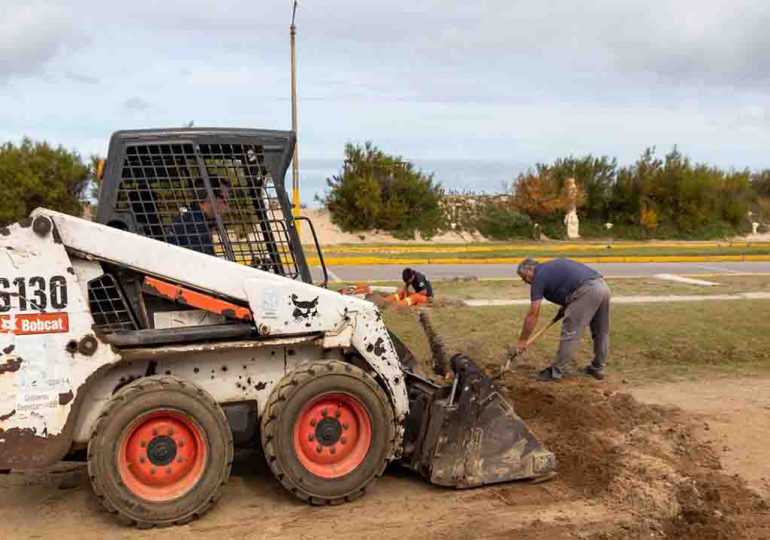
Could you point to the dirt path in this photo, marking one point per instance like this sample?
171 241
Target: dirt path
736 420
627 470
256 506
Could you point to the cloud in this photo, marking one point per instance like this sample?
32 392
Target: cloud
136 104
32 34
80 78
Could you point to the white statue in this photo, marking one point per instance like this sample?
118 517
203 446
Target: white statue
573 225
571 219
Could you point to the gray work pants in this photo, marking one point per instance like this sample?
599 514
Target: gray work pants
588 305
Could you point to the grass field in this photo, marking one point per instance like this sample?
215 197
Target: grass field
648 341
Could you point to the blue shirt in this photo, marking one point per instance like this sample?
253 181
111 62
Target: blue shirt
192 230
421 283
555 280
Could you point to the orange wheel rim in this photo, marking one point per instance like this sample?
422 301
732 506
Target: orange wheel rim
162 455
332 435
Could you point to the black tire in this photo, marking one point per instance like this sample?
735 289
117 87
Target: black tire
145 397
287 402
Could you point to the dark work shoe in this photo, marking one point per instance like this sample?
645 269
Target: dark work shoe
594 372
547 375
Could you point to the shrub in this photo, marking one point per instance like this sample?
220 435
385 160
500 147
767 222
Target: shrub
35 174
660 197
538 194
501 221
378 191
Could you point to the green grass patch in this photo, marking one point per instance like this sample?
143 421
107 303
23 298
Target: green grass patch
648 341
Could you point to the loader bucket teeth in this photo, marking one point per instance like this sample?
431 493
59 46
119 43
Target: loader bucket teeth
466 434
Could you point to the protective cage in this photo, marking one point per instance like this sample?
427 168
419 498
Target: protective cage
217 191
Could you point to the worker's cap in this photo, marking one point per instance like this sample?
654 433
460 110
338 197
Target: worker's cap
406 274
525 265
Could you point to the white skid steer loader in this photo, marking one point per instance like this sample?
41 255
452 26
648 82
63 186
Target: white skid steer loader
185 322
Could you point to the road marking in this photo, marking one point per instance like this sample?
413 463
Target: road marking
718 269
331 274
682 279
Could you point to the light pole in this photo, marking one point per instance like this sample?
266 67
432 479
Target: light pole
295 160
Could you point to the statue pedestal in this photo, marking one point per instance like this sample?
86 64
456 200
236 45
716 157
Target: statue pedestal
573 225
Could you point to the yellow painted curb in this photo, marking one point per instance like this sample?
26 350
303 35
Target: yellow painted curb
348 261
438 248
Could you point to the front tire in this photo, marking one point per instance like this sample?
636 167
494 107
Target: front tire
328 432
160 453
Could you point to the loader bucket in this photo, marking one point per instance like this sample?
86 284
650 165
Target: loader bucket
466 434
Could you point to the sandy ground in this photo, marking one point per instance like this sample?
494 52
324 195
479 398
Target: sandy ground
329 234
627 470
736 421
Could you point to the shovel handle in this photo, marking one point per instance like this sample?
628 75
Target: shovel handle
513 352
559 316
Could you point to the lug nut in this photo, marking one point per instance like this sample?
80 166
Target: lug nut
313 422
142 460
345 425
153 471
337 414
168 470
318 448
143 444
170 431
343 440
179 459
154 432
324 413
311 437
332 450
180 442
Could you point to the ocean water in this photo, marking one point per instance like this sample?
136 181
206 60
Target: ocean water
454 174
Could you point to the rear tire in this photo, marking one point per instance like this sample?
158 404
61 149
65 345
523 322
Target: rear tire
328 432
160 453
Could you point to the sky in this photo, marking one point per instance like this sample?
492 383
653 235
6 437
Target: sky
504 81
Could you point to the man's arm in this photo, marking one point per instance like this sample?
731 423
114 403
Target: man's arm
405 290
530 322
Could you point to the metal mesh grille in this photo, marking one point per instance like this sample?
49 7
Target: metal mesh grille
163 188
108 306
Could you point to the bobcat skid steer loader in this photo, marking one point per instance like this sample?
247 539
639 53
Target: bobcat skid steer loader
185 322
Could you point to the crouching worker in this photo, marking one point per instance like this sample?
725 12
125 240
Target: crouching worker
423 291
585 299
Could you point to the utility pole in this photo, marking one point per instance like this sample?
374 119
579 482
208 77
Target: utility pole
295 160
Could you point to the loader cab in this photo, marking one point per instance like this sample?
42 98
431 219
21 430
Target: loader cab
217 191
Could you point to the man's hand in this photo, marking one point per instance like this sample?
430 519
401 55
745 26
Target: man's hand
521 346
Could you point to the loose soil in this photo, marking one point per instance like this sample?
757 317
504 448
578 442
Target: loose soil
626 470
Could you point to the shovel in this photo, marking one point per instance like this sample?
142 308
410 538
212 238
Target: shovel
513 352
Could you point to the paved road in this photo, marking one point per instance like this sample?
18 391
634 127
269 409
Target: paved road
492 271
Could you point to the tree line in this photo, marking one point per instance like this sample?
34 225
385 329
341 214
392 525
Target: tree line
668 196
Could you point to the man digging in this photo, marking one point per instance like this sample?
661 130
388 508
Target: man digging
585 299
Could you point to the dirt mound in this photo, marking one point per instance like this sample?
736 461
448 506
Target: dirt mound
644 460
